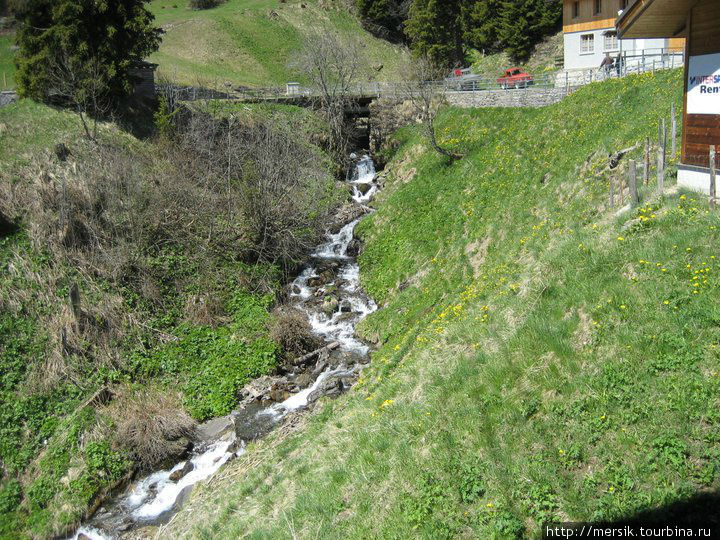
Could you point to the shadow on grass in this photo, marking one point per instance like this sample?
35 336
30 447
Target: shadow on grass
700 512
702 509
7 227
136 116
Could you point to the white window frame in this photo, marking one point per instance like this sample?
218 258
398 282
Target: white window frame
591 40
606 36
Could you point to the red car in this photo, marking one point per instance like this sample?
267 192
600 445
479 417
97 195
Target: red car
515 78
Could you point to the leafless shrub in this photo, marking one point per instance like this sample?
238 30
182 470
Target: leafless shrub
205 310
291 330
82 86
422 91
151 425
264 179
334 67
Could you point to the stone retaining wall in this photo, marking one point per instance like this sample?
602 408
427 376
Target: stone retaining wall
525 97
6 98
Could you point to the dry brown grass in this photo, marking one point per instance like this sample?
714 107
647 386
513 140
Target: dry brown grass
151 425
205 310
291 330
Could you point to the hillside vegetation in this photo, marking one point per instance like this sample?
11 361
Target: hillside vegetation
133 300
7 70
254 42
540 356
542 61
248 42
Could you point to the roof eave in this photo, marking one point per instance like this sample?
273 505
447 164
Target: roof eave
629 16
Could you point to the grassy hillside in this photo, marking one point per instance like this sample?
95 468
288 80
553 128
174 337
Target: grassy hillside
248 42
541 357
7 69
252 42
542 60
110 277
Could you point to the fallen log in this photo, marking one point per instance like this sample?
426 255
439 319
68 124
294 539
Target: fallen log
309 356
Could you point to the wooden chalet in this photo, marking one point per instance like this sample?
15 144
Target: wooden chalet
699 22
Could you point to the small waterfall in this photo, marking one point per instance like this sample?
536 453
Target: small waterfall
156 497
363 181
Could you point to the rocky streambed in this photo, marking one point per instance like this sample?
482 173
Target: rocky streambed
328 292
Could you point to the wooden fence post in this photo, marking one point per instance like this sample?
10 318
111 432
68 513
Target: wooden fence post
646 171
712 177
621 189
673 133
632 181
664 141
661 170
612 194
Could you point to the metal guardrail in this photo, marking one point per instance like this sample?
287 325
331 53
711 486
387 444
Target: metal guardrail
642 62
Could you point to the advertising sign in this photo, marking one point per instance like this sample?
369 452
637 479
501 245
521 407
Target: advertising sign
704 84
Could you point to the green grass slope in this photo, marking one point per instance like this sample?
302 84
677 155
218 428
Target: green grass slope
540 357
7 69
253 42
541 62
248 42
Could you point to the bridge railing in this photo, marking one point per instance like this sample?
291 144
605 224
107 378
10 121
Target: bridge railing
401 89
640 63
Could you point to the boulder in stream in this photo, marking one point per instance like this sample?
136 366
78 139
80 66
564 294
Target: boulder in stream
330 305
304 380
332 386
251 423
215 428
353 248
175 476
363 188
257 390
346 214
345 317
280 391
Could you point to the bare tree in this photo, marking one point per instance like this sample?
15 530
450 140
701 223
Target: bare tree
282 188
261 175
81 86
333 66
425 94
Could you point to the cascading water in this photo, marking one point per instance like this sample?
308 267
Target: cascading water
333 273
363 181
